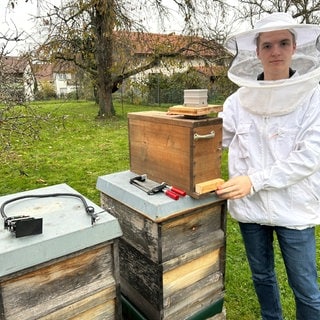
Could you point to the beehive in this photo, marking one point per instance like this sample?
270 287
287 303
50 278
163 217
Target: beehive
172 253
70 270
196 98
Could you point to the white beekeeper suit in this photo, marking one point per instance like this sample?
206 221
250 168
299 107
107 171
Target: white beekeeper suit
272 129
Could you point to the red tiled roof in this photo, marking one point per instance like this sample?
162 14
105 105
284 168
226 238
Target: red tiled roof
149 43
13 64
44 71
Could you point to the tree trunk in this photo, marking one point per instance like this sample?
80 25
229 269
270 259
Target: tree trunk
104 23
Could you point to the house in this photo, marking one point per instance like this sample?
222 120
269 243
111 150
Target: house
136 56
149 58
166 53
60 76
17 79
21 79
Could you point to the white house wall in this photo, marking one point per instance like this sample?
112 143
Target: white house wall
29 83
61 84
168 70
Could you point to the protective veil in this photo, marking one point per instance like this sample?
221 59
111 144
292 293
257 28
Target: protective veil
277 97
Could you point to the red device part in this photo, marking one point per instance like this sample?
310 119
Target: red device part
171 194
178 191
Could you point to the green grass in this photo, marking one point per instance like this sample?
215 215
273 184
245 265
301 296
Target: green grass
75 148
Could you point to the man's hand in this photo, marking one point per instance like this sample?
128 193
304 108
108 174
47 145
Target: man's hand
235 188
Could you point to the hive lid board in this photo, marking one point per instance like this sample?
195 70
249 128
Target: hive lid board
156 207
66 228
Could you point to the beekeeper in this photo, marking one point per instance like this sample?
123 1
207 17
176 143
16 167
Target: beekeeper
271 126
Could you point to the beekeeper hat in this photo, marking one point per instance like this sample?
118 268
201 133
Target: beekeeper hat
304 33
275 97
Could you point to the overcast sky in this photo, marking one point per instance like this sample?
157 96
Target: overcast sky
19 19
14 21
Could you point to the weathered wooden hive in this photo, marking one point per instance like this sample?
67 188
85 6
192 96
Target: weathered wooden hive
172 253
70 270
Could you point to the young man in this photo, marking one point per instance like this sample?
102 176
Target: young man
271 126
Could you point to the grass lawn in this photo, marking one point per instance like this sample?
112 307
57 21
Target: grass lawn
77 149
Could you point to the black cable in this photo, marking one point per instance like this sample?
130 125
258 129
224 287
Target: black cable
89 209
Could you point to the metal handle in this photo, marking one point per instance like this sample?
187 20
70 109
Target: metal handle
210 135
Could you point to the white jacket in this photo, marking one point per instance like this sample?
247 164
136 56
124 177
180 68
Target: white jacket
281 155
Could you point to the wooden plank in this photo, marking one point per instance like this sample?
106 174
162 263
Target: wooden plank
100 305
47 289
207 152
141 273
194 298
194 307
216 242
199 229
196 292
116 274
160 150
139 231
152 312
195 111
189 273
104 311
208 186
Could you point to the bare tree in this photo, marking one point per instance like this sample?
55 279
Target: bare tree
18 120
306 11
93 33
87 33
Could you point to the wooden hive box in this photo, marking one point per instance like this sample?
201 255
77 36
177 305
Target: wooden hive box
174 149
172 253
69 271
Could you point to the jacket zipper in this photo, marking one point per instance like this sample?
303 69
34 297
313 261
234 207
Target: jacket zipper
265 159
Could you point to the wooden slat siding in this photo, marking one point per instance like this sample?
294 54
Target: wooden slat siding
100 312
140 303
193 254
205 288
202 228
193 308
143 274
101 305
142 281
199 229
116 274
47 289
188 287
223 247
166 263
139 231
189 273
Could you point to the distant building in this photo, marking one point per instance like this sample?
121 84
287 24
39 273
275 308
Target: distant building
17 82
176 53
61 76
163 54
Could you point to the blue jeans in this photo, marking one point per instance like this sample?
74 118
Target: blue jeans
298 250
